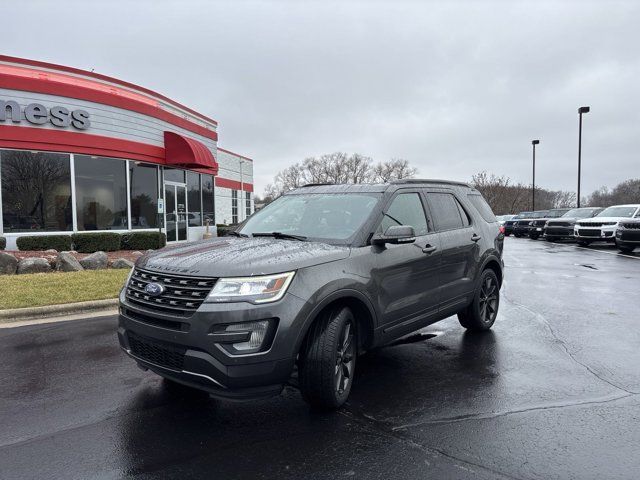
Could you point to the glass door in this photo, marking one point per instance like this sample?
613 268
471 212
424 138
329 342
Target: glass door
175 205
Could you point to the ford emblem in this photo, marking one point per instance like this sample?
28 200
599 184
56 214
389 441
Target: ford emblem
154 289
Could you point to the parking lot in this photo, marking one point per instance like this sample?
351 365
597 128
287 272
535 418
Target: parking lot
551 392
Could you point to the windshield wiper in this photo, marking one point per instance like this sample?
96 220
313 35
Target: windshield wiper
237 234
285 236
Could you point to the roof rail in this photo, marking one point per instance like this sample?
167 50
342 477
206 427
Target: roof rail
422 180
315 185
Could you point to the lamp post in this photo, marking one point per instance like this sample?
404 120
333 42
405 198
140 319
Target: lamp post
581 110
533 189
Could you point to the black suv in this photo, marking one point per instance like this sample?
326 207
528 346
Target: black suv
311 281
562 228
536 229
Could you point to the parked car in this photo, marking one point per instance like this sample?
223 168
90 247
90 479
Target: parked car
523 226
602 227
508 224
341 269
628 235
562 228
536 229
502 219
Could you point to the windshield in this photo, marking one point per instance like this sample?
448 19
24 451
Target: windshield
618 212
580 213
318 216
539 214
556 213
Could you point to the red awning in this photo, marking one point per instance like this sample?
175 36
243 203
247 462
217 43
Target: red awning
185 152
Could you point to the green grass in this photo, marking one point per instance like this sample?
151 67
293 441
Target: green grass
39 289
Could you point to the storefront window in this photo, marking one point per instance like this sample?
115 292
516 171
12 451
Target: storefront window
234 207
36 191
173 175
193 199
101 193
208 202
144 195
247 204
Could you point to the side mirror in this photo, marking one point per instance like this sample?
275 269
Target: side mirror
396 234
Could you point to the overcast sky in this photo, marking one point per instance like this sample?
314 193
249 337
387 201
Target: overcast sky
455 88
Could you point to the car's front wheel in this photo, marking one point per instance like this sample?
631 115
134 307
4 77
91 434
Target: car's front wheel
583 243
328 360
625 249
481 313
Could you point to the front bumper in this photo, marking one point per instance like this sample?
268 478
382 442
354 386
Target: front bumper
182 348
628 237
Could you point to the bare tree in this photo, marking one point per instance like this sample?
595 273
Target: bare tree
338 168
625 192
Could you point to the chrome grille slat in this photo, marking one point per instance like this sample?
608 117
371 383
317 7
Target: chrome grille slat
182 296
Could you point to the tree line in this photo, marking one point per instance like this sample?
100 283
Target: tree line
503 195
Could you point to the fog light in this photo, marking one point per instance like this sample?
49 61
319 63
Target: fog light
256 339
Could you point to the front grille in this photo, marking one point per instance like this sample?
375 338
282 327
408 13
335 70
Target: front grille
539 223
182 295
589 233
596 224
632 225
167 356
559 224
558 231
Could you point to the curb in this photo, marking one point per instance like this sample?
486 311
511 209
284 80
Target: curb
20 314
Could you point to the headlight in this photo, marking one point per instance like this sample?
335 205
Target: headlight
263 289
530 223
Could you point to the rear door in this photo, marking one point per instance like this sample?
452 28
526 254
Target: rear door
406 276
459 245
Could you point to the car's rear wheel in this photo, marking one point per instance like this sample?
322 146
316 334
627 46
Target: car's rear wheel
481 313
328 360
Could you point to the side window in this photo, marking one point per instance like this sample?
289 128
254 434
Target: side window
406 209
446 211
466 221
483 207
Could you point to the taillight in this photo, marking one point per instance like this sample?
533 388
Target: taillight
502 230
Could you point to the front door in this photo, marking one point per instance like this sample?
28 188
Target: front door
175 199
406 275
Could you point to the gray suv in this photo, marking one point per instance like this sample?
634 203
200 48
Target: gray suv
305 285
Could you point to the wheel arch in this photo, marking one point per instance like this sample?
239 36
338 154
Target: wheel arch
494 264
362 309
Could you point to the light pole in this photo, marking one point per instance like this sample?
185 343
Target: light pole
581 110
533 192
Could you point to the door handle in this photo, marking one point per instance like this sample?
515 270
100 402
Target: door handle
475 238
429 249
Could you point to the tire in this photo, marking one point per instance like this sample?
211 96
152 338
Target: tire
626 249
534 237
583 243
551 239
481 313
328 360
517 235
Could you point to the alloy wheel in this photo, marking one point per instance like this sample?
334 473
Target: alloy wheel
344 359
488 300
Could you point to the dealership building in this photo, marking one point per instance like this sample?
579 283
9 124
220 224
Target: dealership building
83 152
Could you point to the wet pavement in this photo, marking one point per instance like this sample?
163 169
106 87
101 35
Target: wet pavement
552 392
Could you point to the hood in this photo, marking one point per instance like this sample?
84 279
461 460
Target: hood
564 220
602 219
239 257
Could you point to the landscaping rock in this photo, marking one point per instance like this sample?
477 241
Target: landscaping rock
33 265
51 250
95 261
122 263
65 262
8 264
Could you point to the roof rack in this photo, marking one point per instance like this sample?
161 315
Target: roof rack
422 180
315 185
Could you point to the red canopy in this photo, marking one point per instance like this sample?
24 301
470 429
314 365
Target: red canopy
185 152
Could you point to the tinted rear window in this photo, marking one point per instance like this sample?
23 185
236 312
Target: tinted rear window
483 208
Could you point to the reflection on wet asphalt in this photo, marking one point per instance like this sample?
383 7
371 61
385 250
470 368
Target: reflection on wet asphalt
551 392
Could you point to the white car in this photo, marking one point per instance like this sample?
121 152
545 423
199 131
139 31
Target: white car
602 227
